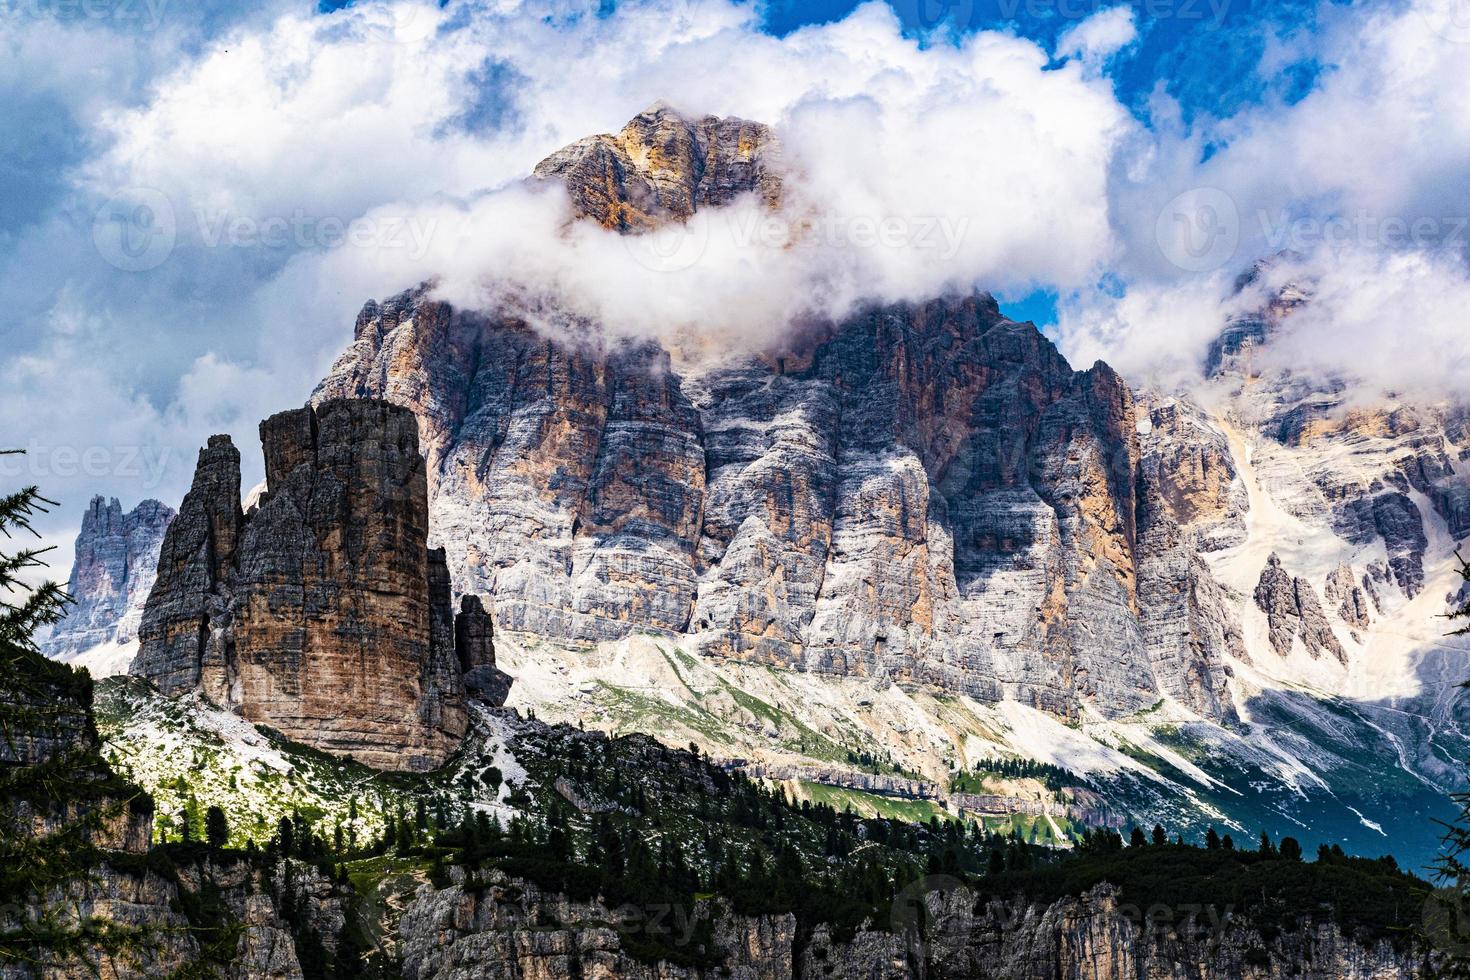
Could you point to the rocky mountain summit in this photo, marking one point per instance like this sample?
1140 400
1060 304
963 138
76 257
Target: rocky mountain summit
321 611
923 492
111 576
663 167
919 528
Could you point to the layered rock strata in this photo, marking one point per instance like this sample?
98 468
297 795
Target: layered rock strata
930 494
321 612
925 492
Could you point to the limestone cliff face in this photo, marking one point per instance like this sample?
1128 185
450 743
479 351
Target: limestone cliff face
926 492
321 612
1293 611
495 925
111 576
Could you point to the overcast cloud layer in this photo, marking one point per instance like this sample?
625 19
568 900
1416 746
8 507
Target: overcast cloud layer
218 194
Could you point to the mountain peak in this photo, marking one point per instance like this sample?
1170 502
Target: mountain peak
663 166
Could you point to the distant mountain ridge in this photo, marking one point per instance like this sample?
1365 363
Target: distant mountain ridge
115 563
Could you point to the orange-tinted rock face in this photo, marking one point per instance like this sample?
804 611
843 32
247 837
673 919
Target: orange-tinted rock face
321 613
663 167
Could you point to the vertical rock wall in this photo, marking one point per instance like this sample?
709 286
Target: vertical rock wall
322 612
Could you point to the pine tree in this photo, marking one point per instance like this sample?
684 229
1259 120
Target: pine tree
1160 837
42 605
1136 839
1212 839
216 828
1291 849
1447 917
1463 611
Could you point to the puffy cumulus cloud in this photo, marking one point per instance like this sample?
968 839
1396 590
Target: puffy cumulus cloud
1363 177
1098 37
301 162
1395 318
914 169
287 164
1154 335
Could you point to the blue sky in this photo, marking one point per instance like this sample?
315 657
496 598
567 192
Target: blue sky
1203 53
1083 150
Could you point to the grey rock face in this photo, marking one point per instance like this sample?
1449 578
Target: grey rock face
928 493
321 612
493 927
1348 599
195 555
111 576
1293 610
924 492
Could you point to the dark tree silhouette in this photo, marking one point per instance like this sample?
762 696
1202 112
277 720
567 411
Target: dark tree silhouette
216 828
38 605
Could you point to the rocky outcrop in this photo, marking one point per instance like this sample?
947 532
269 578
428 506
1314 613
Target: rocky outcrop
1293 611
1347 598
1097 936
495 925
321 612
663 167
111 576
475 647
84 896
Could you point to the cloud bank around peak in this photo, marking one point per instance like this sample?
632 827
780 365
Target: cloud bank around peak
911 169
234 185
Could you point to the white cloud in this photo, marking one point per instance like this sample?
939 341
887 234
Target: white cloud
915 168
1363 177
1099 36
